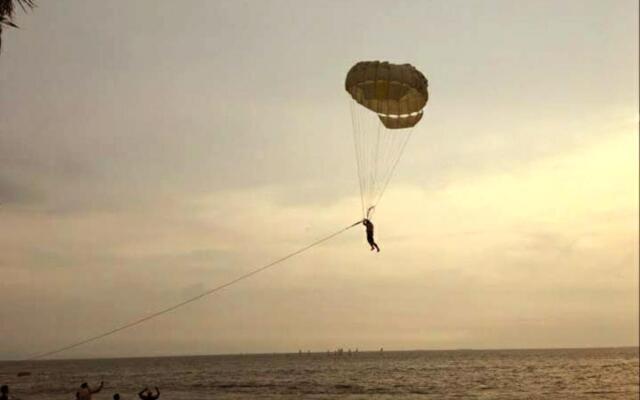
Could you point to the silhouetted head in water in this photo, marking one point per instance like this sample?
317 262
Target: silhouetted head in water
84 385
116 396
146 394
4 389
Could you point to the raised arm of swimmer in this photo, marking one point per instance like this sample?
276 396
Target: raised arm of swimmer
99 388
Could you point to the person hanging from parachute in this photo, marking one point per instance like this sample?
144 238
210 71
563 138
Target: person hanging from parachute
369 229
369 226
388 101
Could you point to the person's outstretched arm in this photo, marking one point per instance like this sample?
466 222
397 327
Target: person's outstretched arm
142 391
157 392
98 389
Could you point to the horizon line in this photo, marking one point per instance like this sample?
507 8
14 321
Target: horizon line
324 352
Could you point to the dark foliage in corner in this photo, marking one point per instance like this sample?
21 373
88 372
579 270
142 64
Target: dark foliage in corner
7 9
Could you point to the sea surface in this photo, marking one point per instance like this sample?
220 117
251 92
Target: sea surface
462 374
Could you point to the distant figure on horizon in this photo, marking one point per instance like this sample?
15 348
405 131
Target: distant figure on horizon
4 392
146 394
85 392
369 226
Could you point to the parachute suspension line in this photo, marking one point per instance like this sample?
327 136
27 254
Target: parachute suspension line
194 298
364 158
395 164
365 145
356 141
376 170
378 151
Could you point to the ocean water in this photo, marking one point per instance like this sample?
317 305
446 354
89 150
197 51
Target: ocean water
464 374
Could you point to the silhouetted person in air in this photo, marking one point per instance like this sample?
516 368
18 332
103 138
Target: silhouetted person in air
369 227
4 392
86 392
146 394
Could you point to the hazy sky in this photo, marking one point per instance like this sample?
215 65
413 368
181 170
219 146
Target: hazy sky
150 150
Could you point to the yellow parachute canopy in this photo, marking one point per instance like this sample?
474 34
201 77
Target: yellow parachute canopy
396 92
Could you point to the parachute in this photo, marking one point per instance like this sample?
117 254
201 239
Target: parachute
387 101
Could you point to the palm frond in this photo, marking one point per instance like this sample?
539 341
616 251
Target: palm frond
26 5
7 9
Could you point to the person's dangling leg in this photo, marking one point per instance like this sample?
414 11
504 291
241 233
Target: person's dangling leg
371 242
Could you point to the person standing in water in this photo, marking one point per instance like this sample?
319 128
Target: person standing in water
369 226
